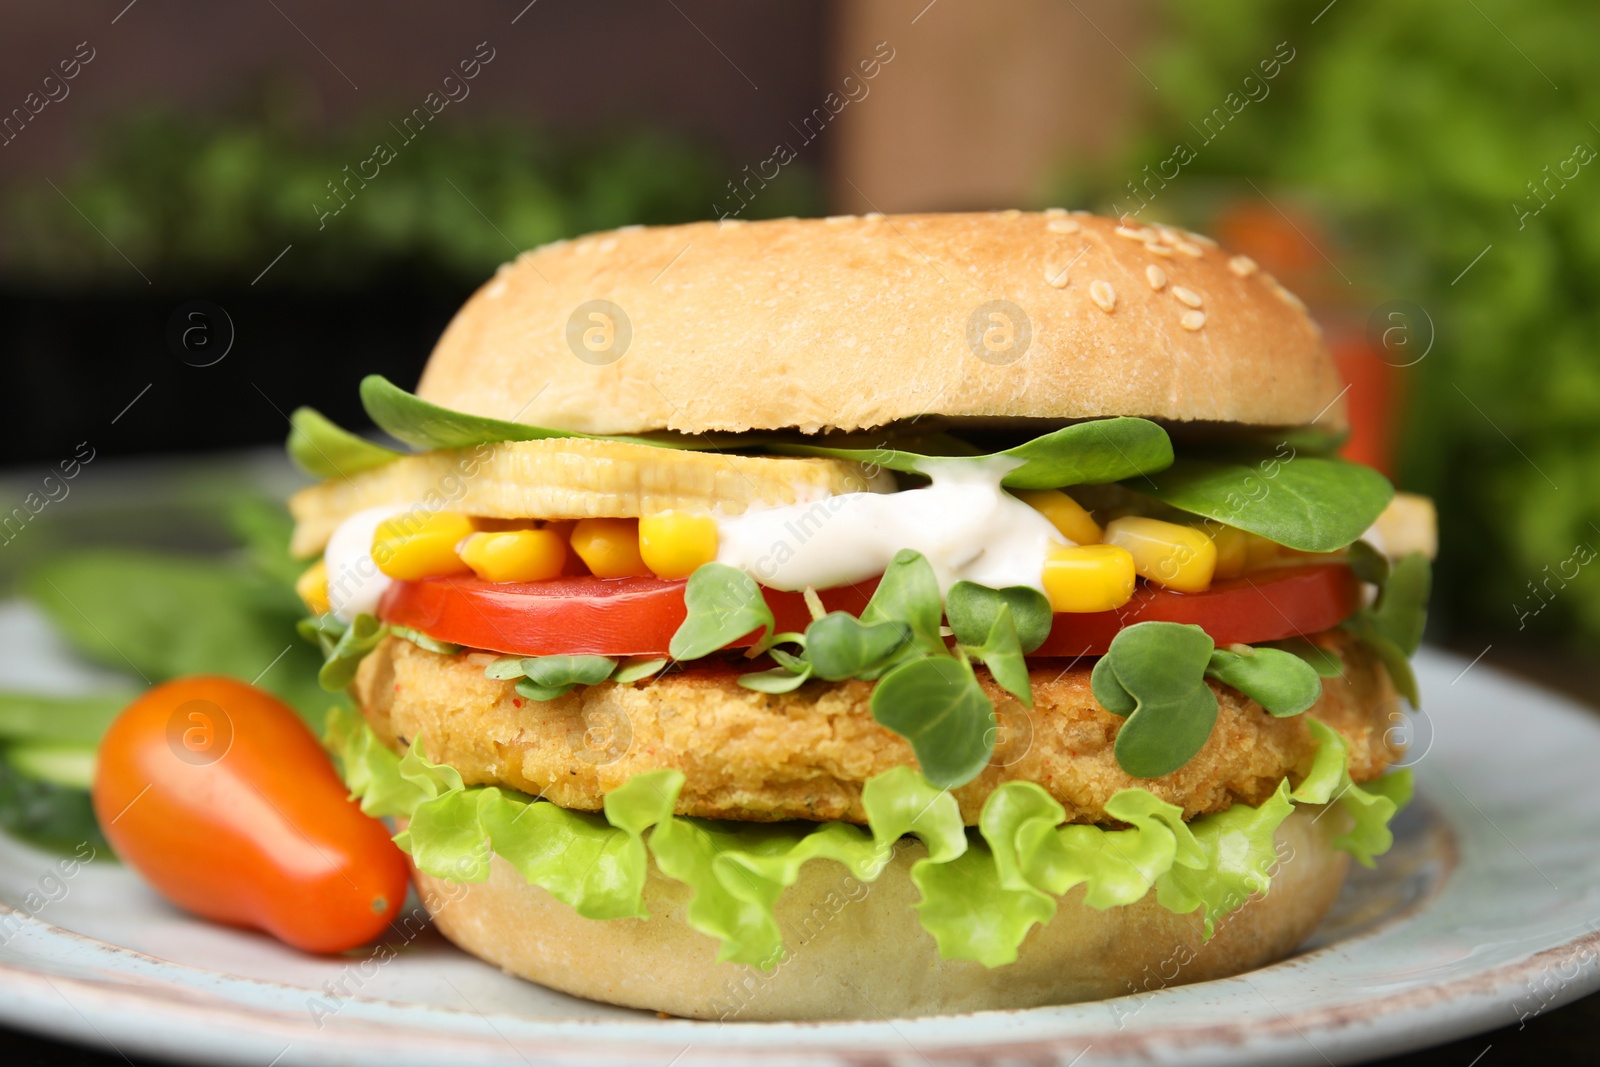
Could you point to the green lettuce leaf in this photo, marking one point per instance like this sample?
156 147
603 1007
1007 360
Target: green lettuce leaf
982 888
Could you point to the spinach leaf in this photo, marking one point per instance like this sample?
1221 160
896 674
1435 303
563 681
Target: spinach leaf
427 426
1085 453
724 603
1311 503
908 593
80 719
973 608
161 616
1393 625
840 646
321 447
1281 682
1154 675
937 705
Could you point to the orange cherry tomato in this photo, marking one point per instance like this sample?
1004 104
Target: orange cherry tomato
222 799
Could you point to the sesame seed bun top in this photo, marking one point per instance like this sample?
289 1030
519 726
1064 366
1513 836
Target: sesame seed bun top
852 323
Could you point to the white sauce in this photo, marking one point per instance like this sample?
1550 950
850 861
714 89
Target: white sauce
355 583
964 523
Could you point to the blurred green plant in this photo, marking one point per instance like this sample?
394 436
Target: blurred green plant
218 198
1423 132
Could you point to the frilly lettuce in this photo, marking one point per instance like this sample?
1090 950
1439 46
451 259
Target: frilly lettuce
982 889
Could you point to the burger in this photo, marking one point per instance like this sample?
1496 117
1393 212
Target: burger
865 617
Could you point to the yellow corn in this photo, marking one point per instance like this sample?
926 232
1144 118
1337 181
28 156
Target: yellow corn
1178 557
515 555
1088 577
1259 552
312 587
674 543
420 544
1233 549
1064 513
609 547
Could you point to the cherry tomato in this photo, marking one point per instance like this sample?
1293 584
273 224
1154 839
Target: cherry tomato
637 616
218 794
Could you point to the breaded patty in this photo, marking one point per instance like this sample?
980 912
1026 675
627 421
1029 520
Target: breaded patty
805 755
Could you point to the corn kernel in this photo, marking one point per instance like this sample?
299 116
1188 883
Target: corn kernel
674 543
1088 577
312 588
609 547
1178 557
420 544
1064 513
1260 552
1233 549
515 555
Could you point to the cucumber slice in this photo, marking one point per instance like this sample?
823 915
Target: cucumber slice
47 813
53 762
34 717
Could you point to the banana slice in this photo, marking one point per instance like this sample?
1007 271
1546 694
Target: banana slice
572 478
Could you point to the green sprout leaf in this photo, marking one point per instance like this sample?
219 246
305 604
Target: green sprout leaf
636 668
724 603
1311 503
321 447
777 680
1392 627
937 704
359 638
840 646
1085 453
973 608
908 593
1001 652
422 640
1159 669
548 677
1326 663
1281 682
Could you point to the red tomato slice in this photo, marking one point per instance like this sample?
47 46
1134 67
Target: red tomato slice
1265 606
638 616
575 616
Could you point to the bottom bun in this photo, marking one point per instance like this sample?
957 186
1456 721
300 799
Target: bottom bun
857 951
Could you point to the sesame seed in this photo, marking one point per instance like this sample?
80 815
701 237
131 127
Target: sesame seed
1102 294
836 219
1135 233
608 245
1188 248
1010 213
582 247
873 216
1155 248
1063 226
1155 276
1243 266
1054 212
1285 295
1187 296
1056 277
1200 237
1192 320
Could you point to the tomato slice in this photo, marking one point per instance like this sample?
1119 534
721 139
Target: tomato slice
638 616
575 616
1265 606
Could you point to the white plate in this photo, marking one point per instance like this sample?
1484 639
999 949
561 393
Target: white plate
1487 910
